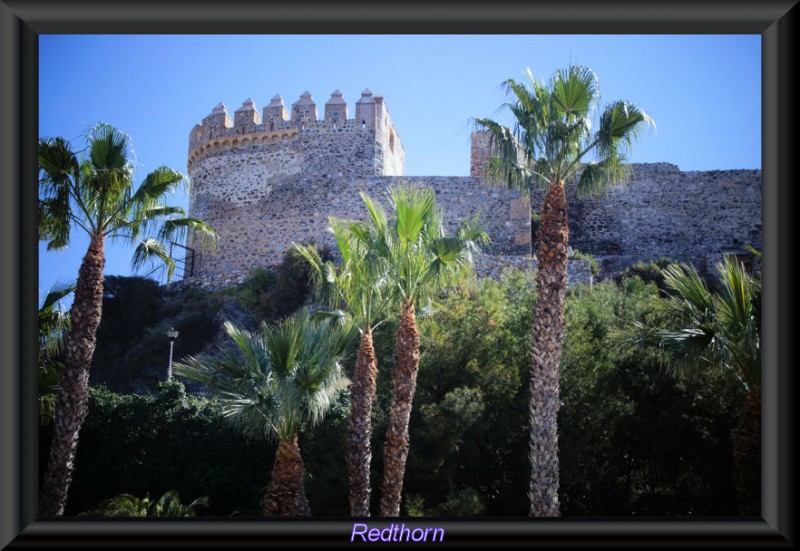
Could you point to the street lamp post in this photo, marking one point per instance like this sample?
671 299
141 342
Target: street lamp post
172 335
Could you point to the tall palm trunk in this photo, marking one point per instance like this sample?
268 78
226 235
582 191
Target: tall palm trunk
359 450
286 494
73 393
747 456
404 384
548 334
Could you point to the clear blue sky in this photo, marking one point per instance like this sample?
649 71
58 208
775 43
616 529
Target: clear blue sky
704 93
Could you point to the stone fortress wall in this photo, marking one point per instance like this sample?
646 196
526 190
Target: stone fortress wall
694 217
265 180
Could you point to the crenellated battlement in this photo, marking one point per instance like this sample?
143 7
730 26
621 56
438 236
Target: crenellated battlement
219 131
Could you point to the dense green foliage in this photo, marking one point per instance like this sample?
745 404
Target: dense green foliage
277 379
634 439
649 271
54 325
274 294
135 444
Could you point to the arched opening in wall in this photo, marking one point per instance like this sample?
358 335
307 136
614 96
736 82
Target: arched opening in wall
271 126
363 124
391 141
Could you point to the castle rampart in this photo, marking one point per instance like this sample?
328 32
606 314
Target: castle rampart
694 217
661 211
265 181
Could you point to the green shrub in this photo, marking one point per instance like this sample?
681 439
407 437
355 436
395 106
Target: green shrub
274 294
254 293
135 444
649 271
635 441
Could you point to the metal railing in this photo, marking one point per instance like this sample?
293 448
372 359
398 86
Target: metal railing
185 266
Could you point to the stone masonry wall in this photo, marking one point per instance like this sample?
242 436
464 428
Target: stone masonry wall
661 211
256 228
265 182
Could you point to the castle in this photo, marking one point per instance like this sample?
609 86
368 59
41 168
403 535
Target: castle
265 180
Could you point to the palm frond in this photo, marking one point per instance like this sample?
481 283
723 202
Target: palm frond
178 229
689 297
507 165
620 124
376 213
253 349
108 170
58 165
58 171
280 377
156 186
148 252
54 325
127 505
574 90
599 176
473 233
417 251
59 291
552 133
47 408
109 148
706 330
413 210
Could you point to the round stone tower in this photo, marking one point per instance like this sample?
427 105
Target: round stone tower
263 182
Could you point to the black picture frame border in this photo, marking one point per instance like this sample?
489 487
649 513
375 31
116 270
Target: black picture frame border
22 21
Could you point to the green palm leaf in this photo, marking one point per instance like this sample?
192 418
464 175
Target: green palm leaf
704 329
574 89
413 208
278 378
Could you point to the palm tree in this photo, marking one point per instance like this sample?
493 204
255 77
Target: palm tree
419 258
548 146
702 330
53 328
276 380
96 195
360 286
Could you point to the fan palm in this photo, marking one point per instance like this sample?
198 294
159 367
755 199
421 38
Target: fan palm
276 380
53 328
550 145
127 505
360 286
419 258
722 331
96 195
